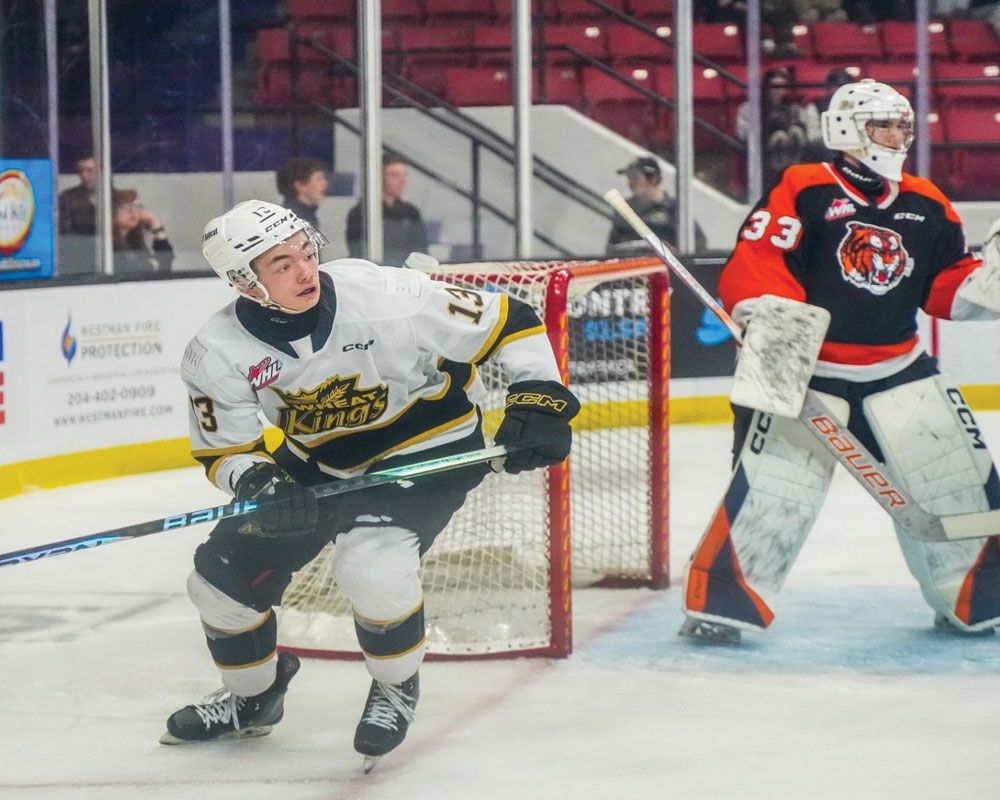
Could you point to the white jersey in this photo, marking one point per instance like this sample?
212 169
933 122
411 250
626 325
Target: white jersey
385 371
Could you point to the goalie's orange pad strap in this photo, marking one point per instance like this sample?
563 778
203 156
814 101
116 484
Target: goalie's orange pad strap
715 582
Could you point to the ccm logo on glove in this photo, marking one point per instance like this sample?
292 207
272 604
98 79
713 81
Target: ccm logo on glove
536 420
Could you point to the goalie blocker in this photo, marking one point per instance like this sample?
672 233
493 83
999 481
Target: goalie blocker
922 429
778 355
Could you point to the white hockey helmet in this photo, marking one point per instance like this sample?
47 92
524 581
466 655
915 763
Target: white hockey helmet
230 242
852 106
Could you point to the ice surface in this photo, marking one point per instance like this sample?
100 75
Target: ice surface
848 695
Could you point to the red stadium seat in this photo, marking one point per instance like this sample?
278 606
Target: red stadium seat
803 40
274 86
427 51
504 9
619 106
469 10
718 41
838 42
966 93
478 86
343 10
581 9
652 12
900 40
899 76
562 87
492 44
629 45
400 10
973 40
584 37
976 169
339 38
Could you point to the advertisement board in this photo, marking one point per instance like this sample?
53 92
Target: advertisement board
25 218
91 367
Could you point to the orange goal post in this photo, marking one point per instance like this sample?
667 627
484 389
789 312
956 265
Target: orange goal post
498 581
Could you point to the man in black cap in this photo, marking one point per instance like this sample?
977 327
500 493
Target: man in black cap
652 204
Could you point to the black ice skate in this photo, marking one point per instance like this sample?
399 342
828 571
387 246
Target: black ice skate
224 715
389 710
705 632
944 625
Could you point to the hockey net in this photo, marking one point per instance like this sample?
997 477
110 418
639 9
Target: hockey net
498 579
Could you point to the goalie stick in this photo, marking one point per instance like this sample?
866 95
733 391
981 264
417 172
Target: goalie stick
840 442
240 508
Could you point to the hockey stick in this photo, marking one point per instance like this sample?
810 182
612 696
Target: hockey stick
841 443
241 508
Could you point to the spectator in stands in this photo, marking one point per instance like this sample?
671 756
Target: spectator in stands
403 229
988 10
77 209
302 183
652 204
787 127
78 220
132 224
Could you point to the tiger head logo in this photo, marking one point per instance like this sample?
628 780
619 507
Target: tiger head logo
873 258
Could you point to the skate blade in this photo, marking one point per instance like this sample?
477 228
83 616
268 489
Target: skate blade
370 762
717 638
245 733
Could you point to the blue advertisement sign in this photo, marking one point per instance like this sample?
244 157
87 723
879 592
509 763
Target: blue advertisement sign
25 218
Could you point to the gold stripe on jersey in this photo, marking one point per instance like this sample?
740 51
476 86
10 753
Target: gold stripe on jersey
497 330
423 437
518 320
211 459
257 663
409 650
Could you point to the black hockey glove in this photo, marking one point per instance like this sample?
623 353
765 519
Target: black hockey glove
289 508
536 418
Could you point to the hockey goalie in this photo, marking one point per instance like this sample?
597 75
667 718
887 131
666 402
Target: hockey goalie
827 275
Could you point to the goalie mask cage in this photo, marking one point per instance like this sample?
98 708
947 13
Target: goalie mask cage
497 581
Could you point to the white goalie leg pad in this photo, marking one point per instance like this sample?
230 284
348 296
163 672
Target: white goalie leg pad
774 496
219 612
932 444
778 355
378 569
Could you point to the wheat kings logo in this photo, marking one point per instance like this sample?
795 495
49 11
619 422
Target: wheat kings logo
335 403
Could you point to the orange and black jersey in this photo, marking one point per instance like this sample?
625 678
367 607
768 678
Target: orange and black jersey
871 251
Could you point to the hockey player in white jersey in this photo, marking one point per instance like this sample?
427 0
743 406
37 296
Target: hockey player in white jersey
360 366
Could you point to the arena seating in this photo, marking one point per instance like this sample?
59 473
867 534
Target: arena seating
458 50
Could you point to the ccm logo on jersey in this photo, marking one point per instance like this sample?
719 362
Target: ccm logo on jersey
264 373
840 208
908 215
536 399
347 348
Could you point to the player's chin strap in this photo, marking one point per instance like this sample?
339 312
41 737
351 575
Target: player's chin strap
401 475
843 445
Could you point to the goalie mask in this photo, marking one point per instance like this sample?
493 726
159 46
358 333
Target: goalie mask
232 241
856 109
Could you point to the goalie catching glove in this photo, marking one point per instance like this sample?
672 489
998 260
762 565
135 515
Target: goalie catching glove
536 421
288 509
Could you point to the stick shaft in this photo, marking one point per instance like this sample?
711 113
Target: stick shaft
241 508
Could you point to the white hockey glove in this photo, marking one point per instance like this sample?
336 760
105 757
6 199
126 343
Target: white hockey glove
982 288
779 353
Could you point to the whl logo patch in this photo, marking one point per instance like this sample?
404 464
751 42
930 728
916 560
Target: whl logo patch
264 373
839 209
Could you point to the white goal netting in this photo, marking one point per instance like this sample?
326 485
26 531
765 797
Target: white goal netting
498 579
